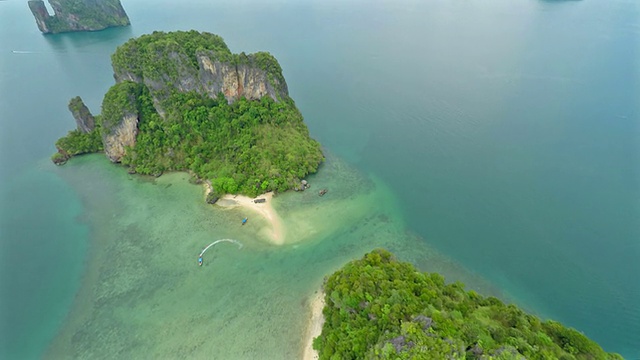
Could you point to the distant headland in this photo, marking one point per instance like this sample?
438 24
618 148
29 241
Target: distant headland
78 15
183 102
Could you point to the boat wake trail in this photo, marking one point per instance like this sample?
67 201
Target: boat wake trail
219 241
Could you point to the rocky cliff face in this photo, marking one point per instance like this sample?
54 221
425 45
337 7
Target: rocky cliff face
240 76
123 134
162 64
78 15
166 68
119 119
237 80
41 14
85 121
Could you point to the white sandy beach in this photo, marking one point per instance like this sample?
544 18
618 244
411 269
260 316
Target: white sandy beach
276 234
314 326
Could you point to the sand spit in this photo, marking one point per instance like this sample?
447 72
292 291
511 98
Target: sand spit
276 234
314 326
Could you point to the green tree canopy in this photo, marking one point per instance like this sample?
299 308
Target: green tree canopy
380 308
247 146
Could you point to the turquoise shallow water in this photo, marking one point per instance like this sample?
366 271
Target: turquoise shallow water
504 134
42 257
144 295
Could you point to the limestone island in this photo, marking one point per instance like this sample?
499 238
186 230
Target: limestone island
381 308
78 15
183 102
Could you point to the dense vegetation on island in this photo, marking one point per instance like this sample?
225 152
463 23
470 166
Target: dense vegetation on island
241 145
379 308
77 142
78 15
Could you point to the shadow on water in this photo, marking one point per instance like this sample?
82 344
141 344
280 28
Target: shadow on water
88 41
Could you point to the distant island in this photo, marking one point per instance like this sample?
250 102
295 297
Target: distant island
183 102
78 15
380 308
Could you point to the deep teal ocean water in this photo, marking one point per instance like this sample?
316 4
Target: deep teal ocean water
497 142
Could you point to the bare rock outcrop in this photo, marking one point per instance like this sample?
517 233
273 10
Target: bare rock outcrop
119 137
41 14
163 63
120 116
85 121
235 77
237 80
